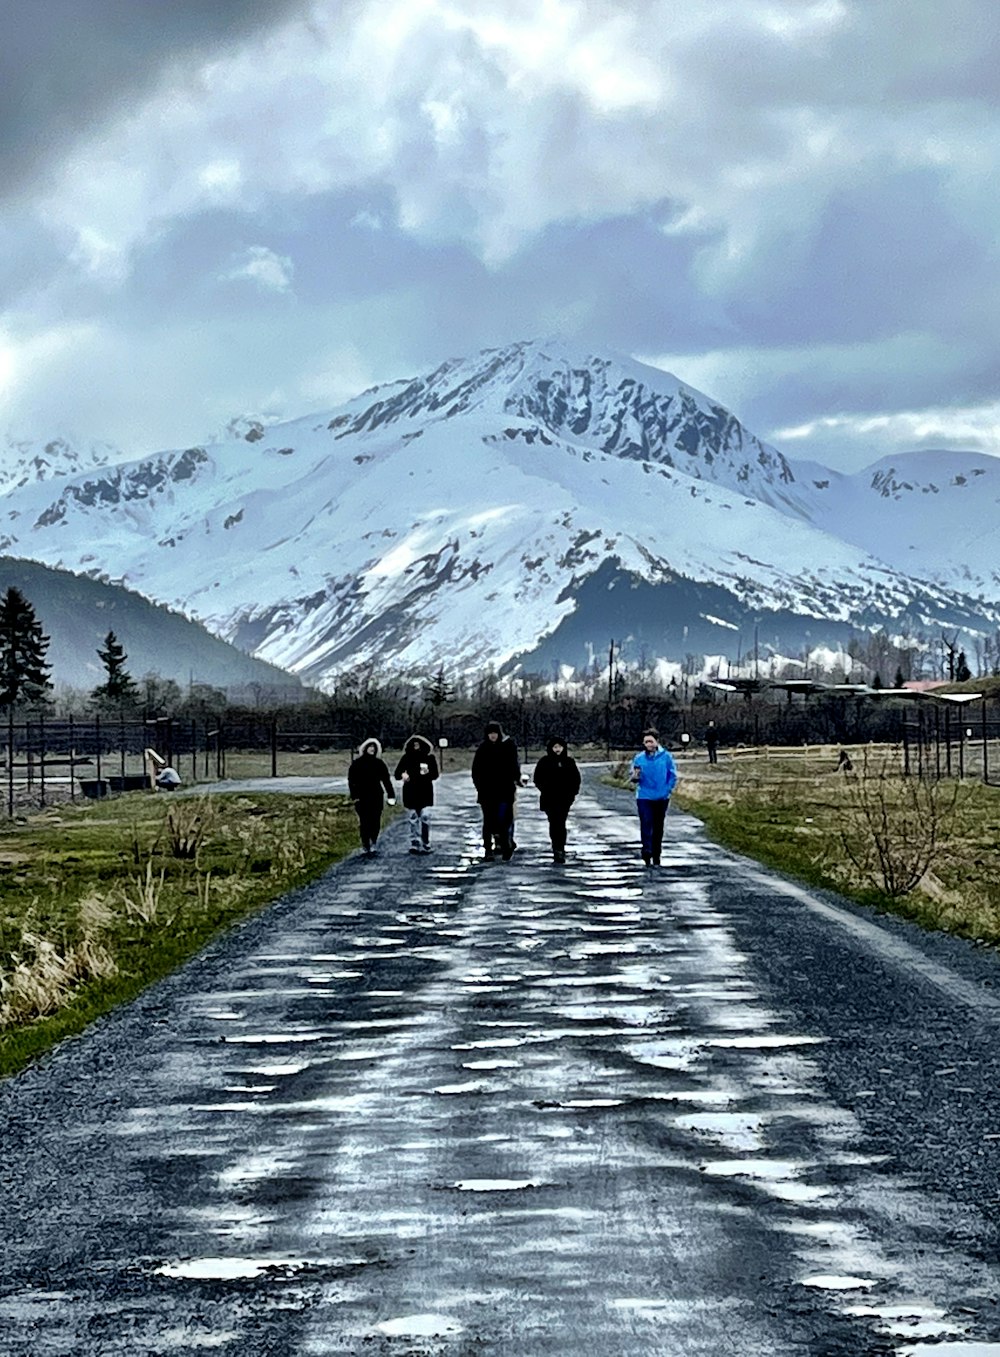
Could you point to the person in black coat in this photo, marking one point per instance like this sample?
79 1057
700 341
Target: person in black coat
418 770
367 780
558 781
496 773
712 742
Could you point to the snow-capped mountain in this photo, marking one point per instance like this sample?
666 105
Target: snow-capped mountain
930 513
488 508
24 461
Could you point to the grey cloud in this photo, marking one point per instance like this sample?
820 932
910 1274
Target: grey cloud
64 64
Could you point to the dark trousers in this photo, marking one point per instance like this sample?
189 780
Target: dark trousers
557 827
713 756
651 817
498 826
369 821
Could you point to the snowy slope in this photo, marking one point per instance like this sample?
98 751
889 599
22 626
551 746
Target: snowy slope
458 514
25 461
929 513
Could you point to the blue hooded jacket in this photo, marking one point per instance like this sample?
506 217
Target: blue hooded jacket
657 775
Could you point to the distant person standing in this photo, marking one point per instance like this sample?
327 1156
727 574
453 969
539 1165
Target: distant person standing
712 742
369 787
557 778
654 774
496 774
418 771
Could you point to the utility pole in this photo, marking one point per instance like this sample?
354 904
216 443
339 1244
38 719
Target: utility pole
611 689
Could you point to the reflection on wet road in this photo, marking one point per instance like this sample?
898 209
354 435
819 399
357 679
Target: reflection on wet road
447 1106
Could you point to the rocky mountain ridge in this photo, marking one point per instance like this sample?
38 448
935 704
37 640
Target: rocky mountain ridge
467 512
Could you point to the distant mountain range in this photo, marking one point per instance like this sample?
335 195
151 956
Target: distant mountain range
77 613
524 505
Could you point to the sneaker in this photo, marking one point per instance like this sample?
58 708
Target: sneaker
489 856
645 858
416 849
426 848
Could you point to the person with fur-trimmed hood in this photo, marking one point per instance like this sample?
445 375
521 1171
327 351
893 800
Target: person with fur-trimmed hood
369 786
496 773
418 771
557 778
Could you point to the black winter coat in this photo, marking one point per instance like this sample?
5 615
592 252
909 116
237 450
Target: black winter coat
368 778
558 780
418 789
496 770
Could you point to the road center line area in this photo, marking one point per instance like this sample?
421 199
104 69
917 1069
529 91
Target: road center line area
435 1105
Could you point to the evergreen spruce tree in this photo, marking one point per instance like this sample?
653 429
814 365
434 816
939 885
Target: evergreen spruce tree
119 689
962 670
899 680
24 672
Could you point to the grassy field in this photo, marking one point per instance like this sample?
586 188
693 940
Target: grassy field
927 850
99 900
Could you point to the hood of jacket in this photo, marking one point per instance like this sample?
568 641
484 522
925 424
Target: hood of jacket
365 743
425 745
556 739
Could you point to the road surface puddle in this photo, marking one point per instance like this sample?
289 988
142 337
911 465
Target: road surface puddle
495 1184
829 1281
950 1350
420 1326
762 1042
250 1269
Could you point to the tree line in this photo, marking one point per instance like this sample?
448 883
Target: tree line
604 705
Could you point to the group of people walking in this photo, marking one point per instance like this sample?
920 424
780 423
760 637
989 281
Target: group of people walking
497 776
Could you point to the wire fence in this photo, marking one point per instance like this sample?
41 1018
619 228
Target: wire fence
48 759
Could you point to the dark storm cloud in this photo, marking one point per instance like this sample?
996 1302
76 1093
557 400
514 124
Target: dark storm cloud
64 64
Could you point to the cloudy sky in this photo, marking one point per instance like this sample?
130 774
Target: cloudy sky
219 207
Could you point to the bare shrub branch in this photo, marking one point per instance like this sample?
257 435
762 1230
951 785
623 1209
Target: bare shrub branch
894 829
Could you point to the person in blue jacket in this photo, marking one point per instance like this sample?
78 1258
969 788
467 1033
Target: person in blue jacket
654 775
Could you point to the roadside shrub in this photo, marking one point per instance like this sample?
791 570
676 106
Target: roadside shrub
893 830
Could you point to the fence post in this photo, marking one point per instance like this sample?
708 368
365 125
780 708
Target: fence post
72 757
121 741
10 765
97 741
986 746
961 747
194 750
274 747
41 759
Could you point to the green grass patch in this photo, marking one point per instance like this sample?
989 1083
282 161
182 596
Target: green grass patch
97 901
929 852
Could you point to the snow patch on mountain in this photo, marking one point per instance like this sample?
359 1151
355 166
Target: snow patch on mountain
460 513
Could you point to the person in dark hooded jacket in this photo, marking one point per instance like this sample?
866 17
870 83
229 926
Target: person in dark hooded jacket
558 781
418 770
496 773
367 781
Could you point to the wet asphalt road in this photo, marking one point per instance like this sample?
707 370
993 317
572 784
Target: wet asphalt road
431 1105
